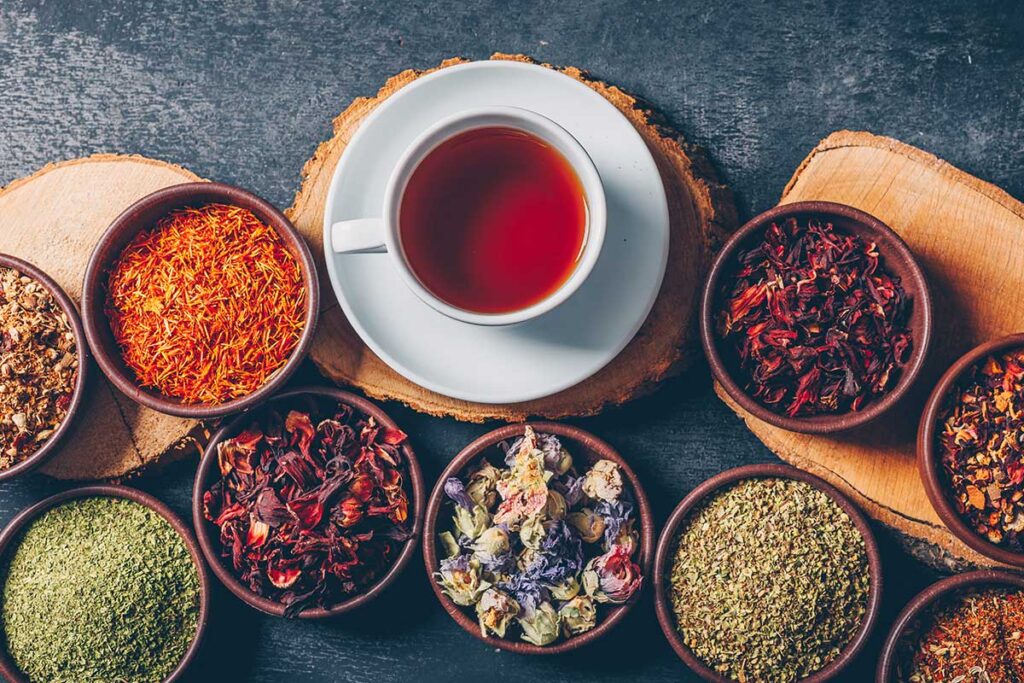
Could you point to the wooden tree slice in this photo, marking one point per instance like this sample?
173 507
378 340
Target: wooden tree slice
701 213
53 219
969 237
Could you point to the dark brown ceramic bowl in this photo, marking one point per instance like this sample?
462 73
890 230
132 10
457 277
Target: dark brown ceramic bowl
584 447
49 447
209 537
898 260
667 543
144 214
928 459
887 663
8 668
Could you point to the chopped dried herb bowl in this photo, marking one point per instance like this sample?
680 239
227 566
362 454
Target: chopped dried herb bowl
766 525
200 300
538 531
970 455
309 505
816 317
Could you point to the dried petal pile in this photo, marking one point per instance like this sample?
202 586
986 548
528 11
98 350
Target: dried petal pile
536 546
817 324
311 509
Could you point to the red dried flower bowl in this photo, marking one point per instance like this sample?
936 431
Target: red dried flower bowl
143 215
928 464
209 537
898 260
8 669
584 447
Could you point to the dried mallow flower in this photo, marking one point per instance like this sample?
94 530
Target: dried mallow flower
460 579
588 524
579 615
482 486
603 481
495 610
542 627
612 577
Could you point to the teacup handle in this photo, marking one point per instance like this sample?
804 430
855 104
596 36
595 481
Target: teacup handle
359 236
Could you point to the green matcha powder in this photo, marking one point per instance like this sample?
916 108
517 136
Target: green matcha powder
99 589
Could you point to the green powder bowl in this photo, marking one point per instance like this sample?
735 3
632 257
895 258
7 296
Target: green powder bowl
131 545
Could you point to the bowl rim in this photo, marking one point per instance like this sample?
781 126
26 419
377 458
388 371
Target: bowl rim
49 447
206 472
925 599
666 547
97 327
927 458
896 248
7 666
588 441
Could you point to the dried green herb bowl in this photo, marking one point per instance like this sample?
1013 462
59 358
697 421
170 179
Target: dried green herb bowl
8 668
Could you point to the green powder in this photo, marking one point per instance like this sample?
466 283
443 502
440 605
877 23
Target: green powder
99 589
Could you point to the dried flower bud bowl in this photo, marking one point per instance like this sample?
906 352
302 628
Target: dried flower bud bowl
667 544
143 215
897 259
49 447
923 601
584 447
207 474
928 464
8 669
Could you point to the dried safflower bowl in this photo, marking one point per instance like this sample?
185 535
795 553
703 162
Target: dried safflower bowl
49 447
585 447
928 464
667 543
898 260
8 669
207 535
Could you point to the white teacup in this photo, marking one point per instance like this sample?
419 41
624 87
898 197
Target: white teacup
367 235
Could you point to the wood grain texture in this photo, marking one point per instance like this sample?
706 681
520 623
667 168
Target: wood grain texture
969 238
701 213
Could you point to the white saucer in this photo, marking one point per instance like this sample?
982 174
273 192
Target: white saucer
539 357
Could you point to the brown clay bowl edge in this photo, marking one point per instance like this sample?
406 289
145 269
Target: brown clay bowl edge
7 666
49 447
927 461
210 546
924 600
139 216
472 452
895 250
666 552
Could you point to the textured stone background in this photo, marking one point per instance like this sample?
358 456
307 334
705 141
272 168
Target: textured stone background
243 92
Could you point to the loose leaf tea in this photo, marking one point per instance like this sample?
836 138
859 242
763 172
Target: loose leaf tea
817 323
311 506
535 545
981 448
99 589
770 581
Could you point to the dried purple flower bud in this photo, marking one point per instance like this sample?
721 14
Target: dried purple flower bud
612 577
460 580
490 544
494 611
588 524
454 489
471 522
542 626
579 615
482 486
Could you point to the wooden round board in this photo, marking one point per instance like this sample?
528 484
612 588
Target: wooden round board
701 213
969 237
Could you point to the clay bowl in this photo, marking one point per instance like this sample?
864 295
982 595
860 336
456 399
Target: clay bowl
922 602
928 459
144 214
209 536
584 448
667 547
49 447
897 258
8 669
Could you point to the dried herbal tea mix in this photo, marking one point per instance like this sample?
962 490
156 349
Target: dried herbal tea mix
770 581
536 547
99 589
981 448
816 322
976 636
38 366
311 506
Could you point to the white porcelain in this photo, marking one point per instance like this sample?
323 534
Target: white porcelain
543 355
373 235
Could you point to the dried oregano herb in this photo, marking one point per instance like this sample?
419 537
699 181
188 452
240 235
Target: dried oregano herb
99 589
770 581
